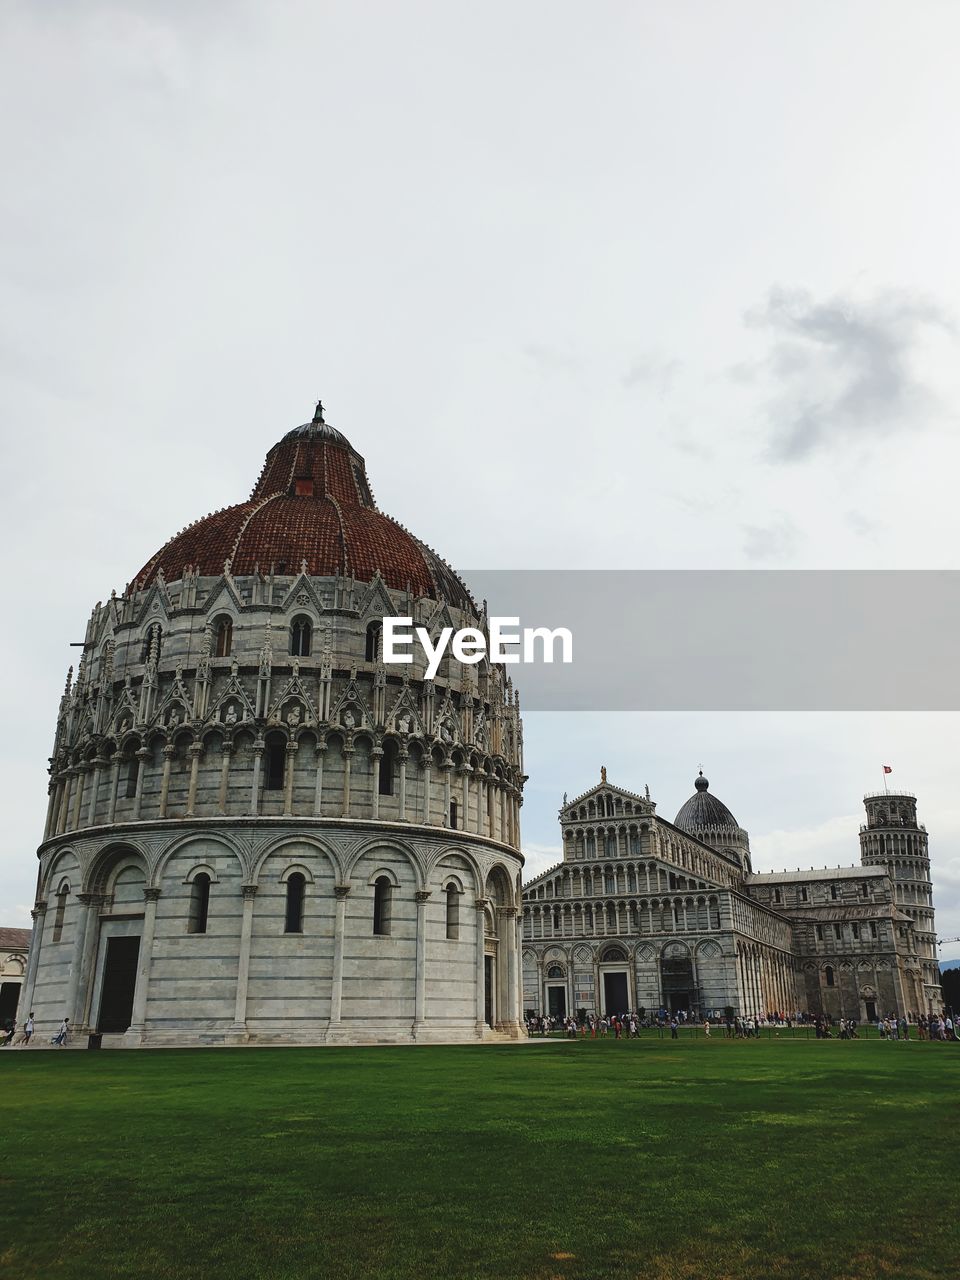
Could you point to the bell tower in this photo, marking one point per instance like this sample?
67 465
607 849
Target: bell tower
892 838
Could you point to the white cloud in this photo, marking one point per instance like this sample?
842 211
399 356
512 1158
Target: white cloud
845 368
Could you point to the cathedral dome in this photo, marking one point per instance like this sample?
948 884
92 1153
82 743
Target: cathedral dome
704 811
311 508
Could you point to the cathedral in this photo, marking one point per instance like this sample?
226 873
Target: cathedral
256 832
259 833
646 914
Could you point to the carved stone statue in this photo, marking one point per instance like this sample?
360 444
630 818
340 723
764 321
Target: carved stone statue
403 722
231 717
293 716
349 720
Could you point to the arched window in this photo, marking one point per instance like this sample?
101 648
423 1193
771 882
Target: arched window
453 815
296 887
301 632
382 891
276 758
373 638
828 976
387 768
61 911
154 633
554 971
224 637
453 911
199 903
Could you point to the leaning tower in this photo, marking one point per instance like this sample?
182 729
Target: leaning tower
892 838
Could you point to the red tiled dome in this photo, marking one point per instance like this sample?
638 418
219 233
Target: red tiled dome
312 503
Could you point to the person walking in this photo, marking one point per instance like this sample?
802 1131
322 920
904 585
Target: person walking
60 1039
706 1027
27 1031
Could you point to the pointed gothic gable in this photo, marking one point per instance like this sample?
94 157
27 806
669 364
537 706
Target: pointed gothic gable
155 604
405 705
303 594
233 705
642 807
125 715
351 702
294 694
438 618
376 603
446 722
177 696
223 595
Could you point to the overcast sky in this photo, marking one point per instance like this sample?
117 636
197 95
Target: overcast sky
634 285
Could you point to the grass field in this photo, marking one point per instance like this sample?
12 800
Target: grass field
694 1159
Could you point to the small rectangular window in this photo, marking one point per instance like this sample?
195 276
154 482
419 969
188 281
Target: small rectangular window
819 932
833 892
777 896
855 930
453 912
276 758
837 931
382 892
133 774
453 815
804 896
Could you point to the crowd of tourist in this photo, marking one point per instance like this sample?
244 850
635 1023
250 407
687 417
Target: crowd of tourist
627 1026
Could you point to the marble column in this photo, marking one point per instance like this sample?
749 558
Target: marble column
318 787
336 991
376 755
80 1005
289 772
447 766
143 755
195 751
423 897
427 778
481 905
243 964
144 962
53 788
226 750
65 801
38 914
347 760
402 756
114 787
98 764
255 780
507 955
169 755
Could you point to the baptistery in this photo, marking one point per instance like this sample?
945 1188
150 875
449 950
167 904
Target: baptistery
259 832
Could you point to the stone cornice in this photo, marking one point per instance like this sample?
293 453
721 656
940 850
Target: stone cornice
117 830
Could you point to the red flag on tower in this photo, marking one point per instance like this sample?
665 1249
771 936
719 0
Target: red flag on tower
887 769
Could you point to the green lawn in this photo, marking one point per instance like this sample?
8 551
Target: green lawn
700 1159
